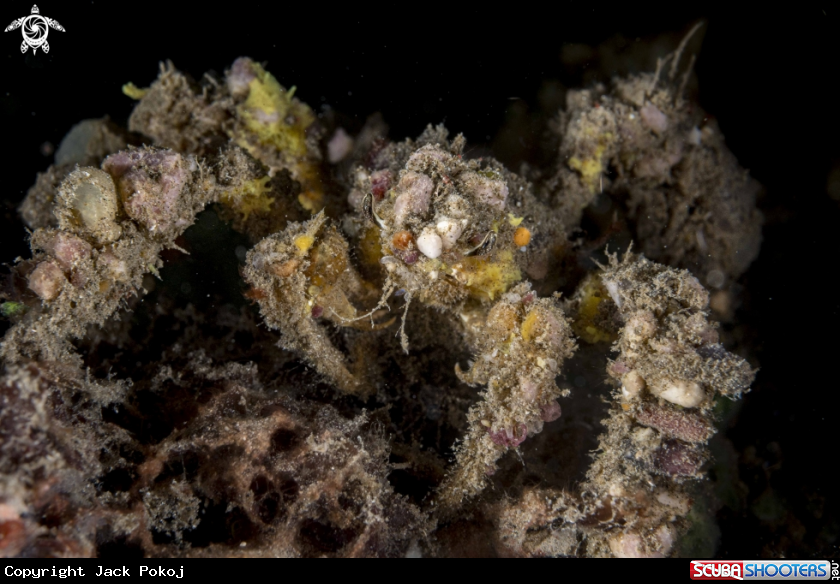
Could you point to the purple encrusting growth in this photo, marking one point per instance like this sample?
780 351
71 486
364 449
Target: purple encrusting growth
150 183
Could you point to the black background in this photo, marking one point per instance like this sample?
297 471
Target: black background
769 76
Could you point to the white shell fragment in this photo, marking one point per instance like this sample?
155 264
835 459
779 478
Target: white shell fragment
430 244
449 230
339 146
89 204
612 288
632 385
687 394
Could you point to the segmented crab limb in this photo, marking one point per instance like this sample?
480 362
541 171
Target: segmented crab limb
669 371
299 276
521 346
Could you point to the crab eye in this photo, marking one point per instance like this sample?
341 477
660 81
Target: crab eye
486 245
370 212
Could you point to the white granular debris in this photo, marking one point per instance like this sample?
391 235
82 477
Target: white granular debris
449 230
430 244
687 394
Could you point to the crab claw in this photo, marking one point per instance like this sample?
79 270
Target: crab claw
46 47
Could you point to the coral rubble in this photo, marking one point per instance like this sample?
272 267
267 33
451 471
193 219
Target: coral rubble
333 417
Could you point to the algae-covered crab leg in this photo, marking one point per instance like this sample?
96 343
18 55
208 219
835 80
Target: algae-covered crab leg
300 276
521 347
670 370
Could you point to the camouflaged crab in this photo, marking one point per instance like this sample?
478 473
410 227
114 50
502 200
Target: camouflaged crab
444 231
357 265
447 233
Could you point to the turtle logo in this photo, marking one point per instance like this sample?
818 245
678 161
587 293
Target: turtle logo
35 28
